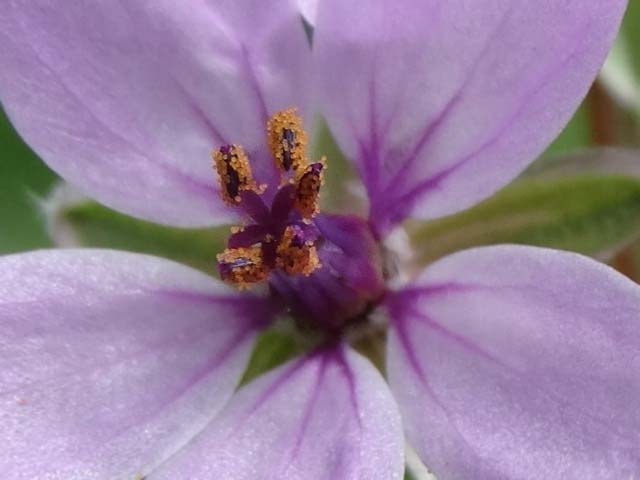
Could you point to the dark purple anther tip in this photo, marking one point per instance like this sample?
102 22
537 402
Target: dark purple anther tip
317 167
225 149
299 237
226 268
290 137
302 234
233 184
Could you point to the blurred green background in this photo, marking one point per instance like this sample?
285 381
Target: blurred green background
23 178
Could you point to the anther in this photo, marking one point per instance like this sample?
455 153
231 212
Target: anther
287 140
242 267
234 170
308 190
296 253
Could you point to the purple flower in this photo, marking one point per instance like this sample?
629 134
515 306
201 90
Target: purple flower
503 362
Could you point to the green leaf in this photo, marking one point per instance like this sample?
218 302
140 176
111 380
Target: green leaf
93 225
23 177
592 210
272 349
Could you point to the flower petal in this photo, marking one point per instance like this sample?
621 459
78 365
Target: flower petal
519 362
112 361
442 102
309 10
326 416
128 99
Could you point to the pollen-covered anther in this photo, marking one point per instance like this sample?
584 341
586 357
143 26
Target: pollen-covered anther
297 254
242 267
287 140
232 164
308 186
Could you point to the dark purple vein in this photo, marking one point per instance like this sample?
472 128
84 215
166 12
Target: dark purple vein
407 200
434 126
254 84
309 408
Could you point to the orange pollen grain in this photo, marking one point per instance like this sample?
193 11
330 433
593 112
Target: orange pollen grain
234 172
297 260
246 266
287 140
309 183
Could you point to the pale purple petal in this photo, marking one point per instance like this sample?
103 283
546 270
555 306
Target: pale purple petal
112 361
328 416
128 99
309 10
518 362
442 102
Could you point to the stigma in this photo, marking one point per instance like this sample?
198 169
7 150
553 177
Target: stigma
280 237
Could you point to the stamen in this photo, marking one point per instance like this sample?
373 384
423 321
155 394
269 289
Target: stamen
308 190
287 140
282 236
232 164
242 267
297 254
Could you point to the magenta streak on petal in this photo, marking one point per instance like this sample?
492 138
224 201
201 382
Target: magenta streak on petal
206 121
258 312
456 337
405 340
401 329
199 112
405 202
270 174
372 154
428 134
254 84
351 381
308 411
317 302
436 289
214 363
193 184
401 302
287 375
440 118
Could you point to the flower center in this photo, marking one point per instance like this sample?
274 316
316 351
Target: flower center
280 237
326 270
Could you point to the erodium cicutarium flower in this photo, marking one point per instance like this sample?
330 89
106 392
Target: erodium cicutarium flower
502 363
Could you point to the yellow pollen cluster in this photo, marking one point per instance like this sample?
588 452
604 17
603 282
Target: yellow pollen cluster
234 170
297 260
242 267
287 140
308 187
